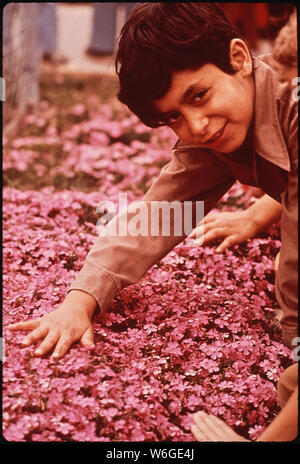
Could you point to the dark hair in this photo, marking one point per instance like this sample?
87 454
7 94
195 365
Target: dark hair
159 39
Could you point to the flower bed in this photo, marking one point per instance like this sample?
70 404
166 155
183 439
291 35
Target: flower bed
197 333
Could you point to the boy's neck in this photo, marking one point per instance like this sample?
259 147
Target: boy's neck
245 151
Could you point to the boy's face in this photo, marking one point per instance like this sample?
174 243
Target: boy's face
209 108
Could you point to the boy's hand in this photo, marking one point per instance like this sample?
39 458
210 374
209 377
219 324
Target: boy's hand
234 227
211 428
62 327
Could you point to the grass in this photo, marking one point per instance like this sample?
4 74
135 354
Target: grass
67 90
60 93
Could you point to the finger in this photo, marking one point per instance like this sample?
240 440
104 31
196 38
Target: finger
63 345
198 418
227 243
198 434
194 232
47 344
38 333
204 431
200 226
215 428
210 235
87 338
206 426
210 218
27 325
198 235
223 431
206 220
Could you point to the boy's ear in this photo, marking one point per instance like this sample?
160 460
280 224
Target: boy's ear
240 57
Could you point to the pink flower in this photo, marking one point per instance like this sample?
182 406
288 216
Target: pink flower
194 333
256 431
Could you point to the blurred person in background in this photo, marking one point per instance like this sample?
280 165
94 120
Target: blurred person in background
250 18
285 54
47 23
104 27
259 22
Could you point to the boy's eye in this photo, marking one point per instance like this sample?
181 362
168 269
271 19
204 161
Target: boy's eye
199 95
172 118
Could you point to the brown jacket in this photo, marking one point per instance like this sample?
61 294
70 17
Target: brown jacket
269 161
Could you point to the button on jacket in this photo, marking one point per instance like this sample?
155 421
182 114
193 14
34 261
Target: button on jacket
268 160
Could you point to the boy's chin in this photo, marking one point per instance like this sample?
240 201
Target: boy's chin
233 144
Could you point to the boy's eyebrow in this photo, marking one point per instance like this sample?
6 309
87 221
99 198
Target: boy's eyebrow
189 91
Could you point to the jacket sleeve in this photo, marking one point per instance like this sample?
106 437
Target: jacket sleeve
286 284
116 261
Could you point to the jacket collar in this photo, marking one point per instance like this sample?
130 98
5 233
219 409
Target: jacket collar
268 138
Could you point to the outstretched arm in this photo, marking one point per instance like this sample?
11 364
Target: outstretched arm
115 261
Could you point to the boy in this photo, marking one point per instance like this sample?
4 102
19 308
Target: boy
241 225
184 65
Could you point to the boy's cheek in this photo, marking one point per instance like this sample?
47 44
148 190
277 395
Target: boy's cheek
181 134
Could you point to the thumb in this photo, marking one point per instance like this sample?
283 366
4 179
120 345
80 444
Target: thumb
87 338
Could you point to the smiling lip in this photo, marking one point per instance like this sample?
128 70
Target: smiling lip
217 135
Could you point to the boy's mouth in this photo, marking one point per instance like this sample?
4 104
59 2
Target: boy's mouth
217 134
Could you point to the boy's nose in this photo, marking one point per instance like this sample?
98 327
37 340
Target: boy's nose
198 126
